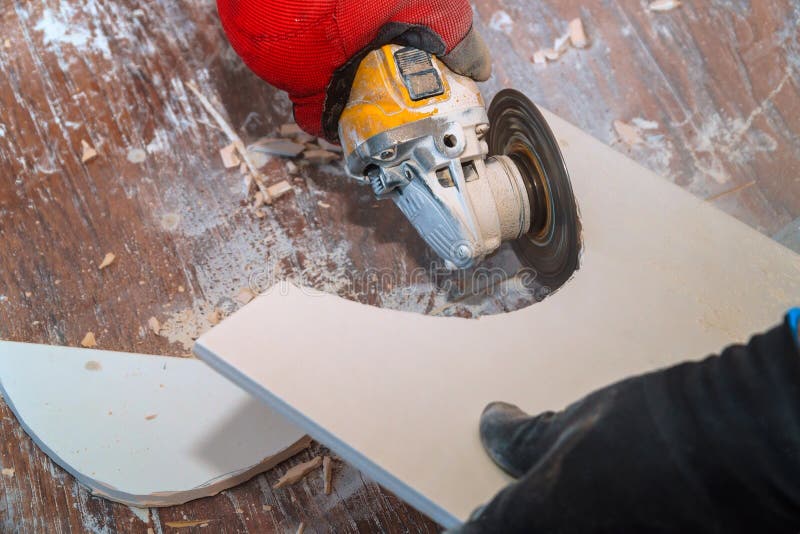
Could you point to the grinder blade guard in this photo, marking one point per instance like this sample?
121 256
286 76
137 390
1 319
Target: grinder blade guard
420 135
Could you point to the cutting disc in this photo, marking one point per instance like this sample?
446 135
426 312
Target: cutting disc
552 245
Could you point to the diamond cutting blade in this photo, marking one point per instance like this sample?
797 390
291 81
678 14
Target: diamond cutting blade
552 246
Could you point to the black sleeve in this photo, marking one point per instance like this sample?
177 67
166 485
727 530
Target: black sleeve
709 446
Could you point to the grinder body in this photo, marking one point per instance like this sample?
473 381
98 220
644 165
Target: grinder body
417 132
467 179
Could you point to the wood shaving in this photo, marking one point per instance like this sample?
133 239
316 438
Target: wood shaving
327 474
628 133
279 189
319 156
322 204
290 130
259 199
150 530
298 472
561 43
291 167
108 259
151 416
89 340
154 325
245 295
229 157
187 524
266 508
7 43
301 528
551 54
92 365
577 35
89 153
324 144
663 5
214 317
7 472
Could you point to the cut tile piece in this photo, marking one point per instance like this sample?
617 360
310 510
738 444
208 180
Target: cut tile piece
142 430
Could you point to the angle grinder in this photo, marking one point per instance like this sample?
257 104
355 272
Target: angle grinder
467 179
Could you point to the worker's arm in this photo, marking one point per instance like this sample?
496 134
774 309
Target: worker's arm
312 48
709 446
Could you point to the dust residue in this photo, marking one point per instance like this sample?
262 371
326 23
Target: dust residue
501 22
736 140
67 27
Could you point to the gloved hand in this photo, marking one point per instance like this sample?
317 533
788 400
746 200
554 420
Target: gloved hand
312 48
710 446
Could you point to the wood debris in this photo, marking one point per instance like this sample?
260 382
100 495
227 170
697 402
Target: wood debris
136 155
7 43
154 325
229 157
108 259
319 156
254 178
577 35
327 474
187 524
89 153
561 44
324 144
290 130
539 58
628 133
89 340
245 295
291 167
151 416
7 472
298 472
279 189
266 508
663 5
150 530
92 365
301 528
323 204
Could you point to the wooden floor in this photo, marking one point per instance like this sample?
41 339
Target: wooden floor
716 83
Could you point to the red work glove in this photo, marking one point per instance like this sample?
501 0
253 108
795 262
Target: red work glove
312 48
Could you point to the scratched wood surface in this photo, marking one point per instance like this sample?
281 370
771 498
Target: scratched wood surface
720 80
